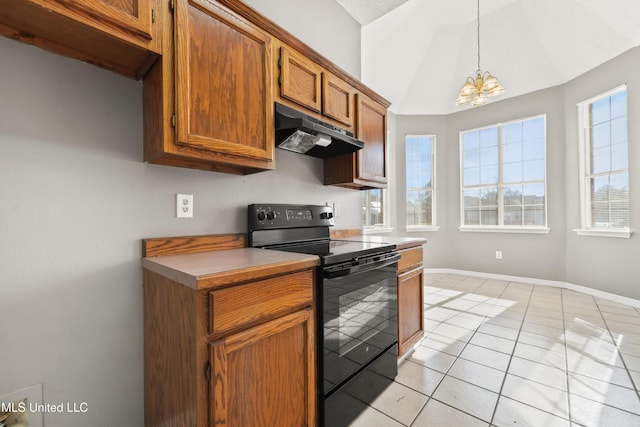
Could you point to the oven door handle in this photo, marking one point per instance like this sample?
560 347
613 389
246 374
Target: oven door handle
361 265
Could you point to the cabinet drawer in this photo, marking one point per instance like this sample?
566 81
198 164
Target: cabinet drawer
230 308
410 258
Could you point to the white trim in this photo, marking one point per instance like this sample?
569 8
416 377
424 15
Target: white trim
542 282
621 234
419 228
504 229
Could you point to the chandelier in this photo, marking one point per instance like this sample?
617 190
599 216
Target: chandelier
477 89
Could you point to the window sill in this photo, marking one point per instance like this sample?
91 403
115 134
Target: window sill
521 230
418 228
377 230
621 234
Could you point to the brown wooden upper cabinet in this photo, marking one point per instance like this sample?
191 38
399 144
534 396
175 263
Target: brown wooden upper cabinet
308 84
214 110
367 167
300 79
338 99
115 34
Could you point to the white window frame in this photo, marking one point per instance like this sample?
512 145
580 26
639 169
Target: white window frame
583 157
501 228
434 224
378 228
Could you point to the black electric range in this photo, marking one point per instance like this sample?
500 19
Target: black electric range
356 305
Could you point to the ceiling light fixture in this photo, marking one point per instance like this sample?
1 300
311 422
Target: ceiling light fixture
477 90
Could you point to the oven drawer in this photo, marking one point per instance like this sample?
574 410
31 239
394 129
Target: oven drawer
233 307
410 258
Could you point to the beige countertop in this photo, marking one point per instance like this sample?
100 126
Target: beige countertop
224 267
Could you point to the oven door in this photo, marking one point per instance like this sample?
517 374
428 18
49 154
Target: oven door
358 317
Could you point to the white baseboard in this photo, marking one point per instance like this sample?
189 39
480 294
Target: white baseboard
543 282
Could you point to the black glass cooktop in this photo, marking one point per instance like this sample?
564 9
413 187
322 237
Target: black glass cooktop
334 251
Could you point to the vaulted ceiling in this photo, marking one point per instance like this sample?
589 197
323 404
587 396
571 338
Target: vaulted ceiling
417 53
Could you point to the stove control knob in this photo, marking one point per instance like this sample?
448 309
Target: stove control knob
326 215
261 216
271 215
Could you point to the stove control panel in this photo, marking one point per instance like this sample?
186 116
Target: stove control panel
274 216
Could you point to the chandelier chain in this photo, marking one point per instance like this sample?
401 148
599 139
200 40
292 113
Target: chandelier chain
478 21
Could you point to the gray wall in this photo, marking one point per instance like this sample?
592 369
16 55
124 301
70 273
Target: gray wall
323 25
608 264
605 264
77 199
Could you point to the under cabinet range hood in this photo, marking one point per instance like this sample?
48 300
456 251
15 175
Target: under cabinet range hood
300 133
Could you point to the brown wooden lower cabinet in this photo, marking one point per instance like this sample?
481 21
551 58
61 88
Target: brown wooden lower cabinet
262 377
238 355
410 299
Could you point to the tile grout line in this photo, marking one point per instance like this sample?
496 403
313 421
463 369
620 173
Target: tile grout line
566 359
626 368
506 371
445 374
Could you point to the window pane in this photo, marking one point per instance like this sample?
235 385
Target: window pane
419 178
533 149
489 175
373 207
489 206
513 133
619 130
533 170
512 195
512 152
472 207
489 156
533 194
601 135
619 200
512 172
471 177
471 141
471 159
533 129
489 137
601 160
533 215
619 104
471 198
489 216
513 215
600 111
619 157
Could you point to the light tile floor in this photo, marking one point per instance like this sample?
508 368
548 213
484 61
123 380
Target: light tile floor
499 353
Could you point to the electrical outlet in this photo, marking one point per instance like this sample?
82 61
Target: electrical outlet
184 205
498 254
20 404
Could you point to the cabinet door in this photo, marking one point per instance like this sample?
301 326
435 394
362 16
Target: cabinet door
114 34
338 99
265 376
223 84
300 79
410 309
129 16
372 129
